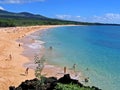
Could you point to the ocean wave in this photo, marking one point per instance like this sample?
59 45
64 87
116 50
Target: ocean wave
37 44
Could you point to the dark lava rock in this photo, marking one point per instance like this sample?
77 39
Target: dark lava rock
12 88
66 79
51 83
28 85
48 83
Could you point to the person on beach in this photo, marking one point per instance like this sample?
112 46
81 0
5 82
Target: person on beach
65 70
19 45
10 57
26 71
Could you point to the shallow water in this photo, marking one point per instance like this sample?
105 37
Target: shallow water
95 50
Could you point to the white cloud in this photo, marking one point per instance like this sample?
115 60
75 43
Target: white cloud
112 16
63 16
70 17
106 18
1 8
19 1
78 16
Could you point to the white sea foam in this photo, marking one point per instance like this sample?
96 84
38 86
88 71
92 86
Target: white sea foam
34 36
35 45
40 42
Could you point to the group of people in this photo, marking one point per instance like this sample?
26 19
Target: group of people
65 68
74 69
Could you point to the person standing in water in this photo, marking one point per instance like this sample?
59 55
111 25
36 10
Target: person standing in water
50 47
65 70
74 67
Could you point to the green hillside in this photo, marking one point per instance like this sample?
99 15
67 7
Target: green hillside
10 19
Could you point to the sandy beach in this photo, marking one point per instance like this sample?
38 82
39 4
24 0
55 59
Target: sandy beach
11 60
12 70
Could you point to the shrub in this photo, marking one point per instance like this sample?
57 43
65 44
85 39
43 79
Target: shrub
38 70
71 86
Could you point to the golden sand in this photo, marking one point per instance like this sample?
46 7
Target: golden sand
12 72
11 60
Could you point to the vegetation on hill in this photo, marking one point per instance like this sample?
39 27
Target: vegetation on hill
10 22
10 19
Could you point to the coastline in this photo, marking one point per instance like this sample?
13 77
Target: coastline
12 68
11 58
36 47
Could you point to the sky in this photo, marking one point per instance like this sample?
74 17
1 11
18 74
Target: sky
104 11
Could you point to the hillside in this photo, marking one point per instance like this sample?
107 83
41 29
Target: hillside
10 19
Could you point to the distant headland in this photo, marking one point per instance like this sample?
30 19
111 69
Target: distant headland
11 19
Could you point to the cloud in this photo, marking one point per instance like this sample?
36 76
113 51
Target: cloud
18 1
67 17
1 8
70 17
105 18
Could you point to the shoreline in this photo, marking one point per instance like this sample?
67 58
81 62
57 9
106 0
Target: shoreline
37 48
11 58
13 70
49 69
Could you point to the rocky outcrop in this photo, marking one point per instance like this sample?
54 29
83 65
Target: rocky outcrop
67 80
47 83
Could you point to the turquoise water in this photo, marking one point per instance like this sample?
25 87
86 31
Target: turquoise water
94 47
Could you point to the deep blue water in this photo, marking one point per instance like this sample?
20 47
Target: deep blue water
94 47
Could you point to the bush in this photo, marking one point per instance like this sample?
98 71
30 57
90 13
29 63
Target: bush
70 87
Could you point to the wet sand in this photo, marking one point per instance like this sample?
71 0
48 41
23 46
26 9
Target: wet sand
12 71
16 56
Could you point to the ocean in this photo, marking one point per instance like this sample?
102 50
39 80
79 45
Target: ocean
94 49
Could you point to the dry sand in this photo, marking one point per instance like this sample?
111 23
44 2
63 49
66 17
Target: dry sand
11 60
12 72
